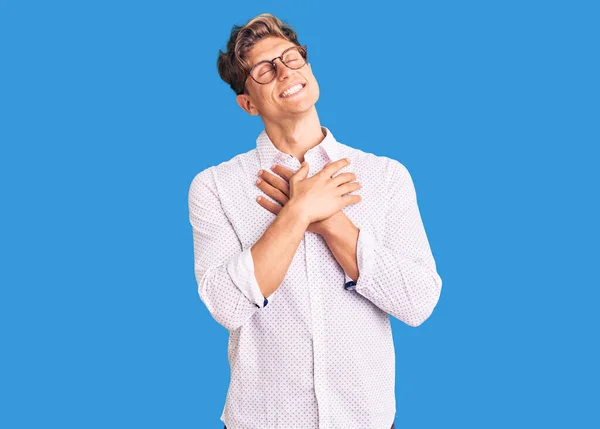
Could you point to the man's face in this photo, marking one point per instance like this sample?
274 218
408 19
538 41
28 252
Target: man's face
267 100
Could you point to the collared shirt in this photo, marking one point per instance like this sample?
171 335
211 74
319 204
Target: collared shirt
318 352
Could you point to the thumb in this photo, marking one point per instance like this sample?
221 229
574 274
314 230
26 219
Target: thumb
303 170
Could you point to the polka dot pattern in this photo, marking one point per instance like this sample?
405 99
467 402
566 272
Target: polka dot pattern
318 352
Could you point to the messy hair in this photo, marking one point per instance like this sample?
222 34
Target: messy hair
233 64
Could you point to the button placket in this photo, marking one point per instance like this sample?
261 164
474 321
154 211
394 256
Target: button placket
311 242
319 349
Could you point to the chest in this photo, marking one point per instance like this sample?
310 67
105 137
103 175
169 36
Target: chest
250 220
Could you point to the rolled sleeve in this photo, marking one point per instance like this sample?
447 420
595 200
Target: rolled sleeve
241 271
365 248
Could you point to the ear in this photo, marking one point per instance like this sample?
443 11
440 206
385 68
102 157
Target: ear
246 104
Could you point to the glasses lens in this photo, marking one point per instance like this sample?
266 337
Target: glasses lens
294 58
263 73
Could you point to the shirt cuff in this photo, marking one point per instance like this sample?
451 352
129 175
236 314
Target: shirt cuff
241 271
365 252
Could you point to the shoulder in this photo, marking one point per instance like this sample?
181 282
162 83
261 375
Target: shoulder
213 177
392 169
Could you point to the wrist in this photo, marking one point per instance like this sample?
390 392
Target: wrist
295 212
336 226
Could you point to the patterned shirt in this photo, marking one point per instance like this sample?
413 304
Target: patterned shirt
318 352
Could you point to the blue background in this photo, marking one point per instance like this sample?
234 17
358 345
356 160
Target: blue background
110 108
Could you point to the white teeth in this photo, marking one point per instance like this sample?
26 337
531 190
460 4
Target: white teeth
292 90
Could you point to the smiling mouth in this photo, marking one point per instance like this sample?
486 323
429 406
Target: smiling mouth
296 91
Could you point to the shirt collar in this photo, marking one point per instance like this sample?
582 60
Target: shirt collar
269 154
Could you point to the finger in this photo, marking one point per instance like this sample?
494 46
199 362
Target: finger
330 169
301 173
343 178
348 187
269 205
351 199
284 172
276 182
271 191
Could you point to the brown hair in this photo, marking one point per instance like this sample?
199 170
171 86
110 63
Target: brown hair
233 64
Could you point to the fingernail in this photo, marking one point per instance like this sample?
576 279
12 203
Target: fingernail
258 198
258 181
273 166
260 173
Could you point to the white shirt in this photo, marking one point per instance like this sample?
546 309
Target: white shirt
318 352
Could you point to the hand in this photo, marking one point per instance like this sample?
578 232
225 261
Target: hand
320 196
279 190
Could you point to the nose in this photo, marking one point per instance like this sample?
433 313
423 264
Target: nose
282 69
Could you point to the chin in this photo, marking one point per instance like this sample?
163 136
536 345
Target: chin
302 107
308 101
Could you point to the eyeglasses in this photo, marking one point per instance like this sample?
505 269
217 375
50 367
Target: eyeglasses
265 71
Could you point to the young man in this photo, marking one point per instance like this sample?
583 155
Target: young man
306 277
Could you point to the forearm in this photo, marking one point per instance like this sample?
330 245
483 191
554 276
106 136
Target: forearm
341 237
405 285
274 251
417 288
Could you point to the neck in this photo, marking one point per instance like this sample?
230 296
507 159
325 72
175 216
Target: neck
295 136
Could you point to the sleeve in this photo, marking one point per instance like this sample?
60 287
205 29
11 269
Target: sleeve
224 271
398 272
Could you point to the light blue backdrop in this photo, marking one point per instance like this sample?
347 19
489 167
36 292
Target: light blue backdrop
110 108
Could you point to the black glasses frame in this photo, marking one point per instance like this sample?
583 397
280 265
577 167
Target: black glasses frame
301 49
